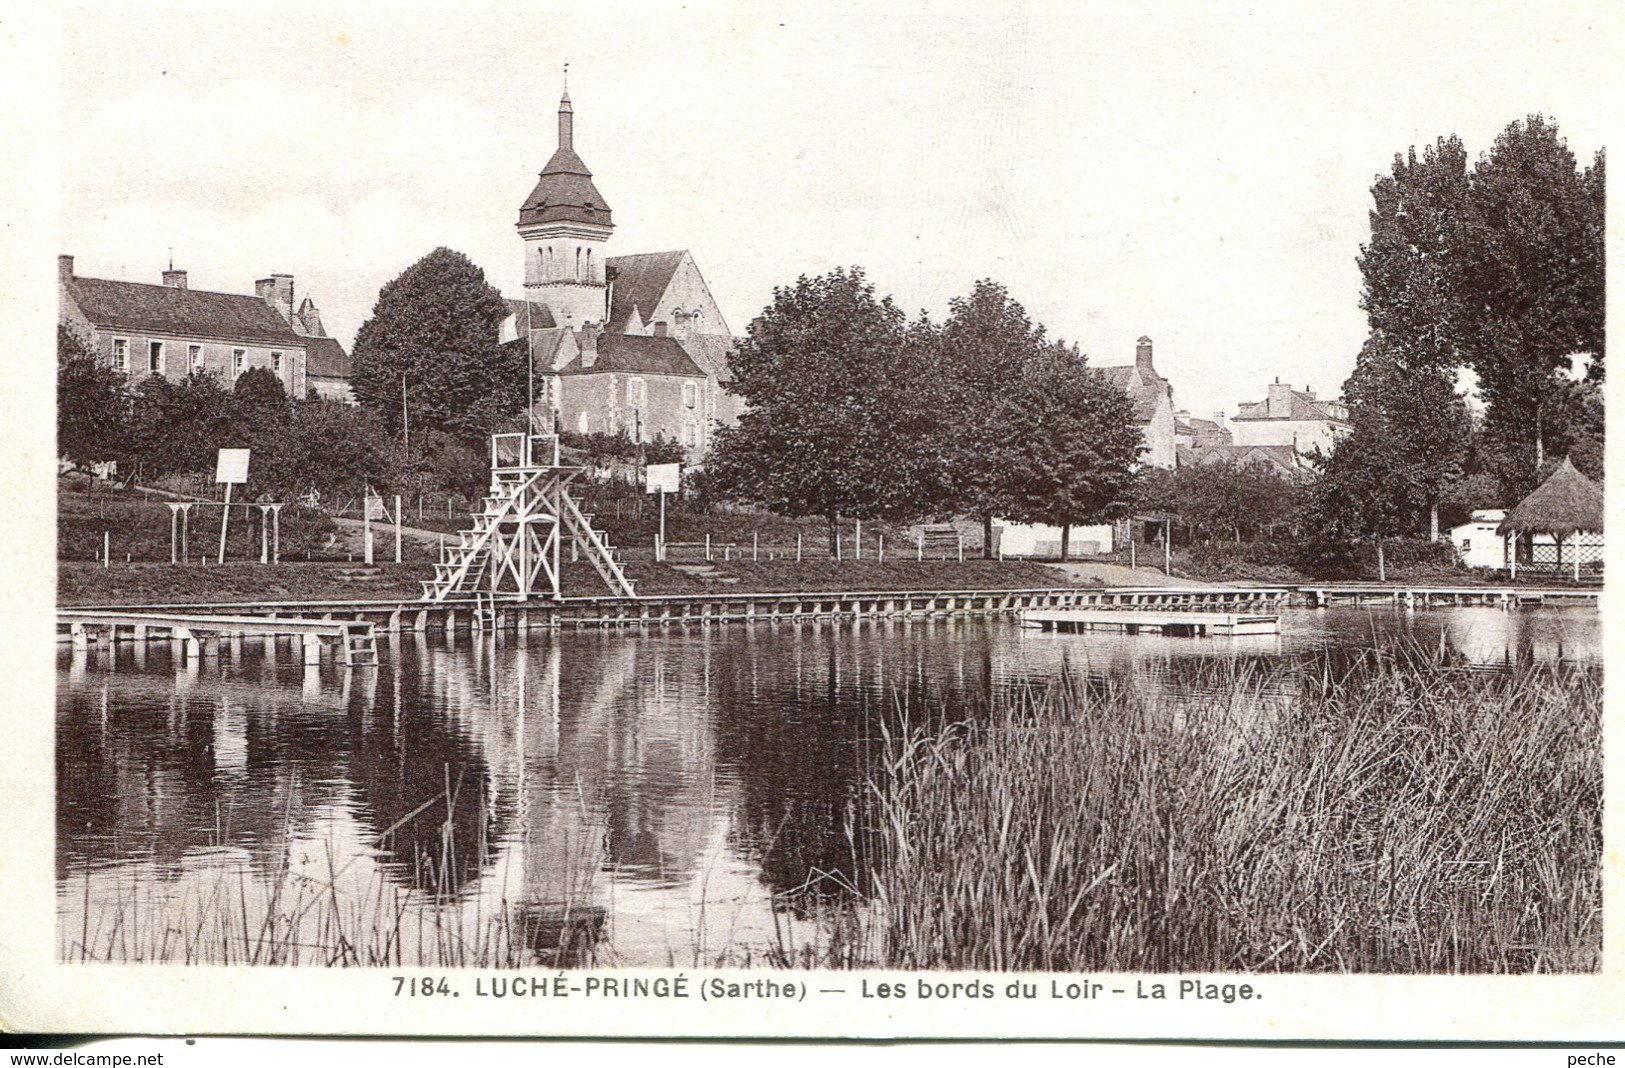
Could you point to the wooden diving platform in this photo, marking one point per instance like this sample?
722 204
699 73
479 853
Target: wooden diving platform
1175 624
197 634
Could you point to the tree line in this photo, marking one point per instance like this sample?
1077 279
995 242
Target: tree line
1494 269
853 410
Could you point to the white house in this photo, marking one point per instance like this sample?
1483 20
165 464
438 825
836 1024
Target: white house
1477 544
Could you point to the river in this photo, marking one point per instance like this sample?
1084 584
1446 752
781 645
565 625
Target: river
667 798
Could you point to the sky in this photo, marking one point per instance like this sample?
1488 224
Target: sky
1197 174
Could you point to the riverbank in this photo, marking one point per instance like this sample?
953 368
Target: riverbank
81 583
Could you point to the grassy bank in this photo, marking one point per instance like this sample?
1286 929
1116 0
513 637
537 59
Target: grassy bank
1393 815
80 582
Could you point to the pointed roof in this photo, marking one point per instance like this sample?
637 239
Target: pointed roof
1565 503
564 191
640 281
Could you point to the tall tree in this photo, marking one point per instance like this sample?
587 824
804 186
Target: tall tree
429 357
985 346
92 406
1074 444
837 422
1534 266
178 426
1409 412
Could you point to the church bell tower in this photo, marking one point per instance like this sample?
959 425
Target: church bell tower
565 224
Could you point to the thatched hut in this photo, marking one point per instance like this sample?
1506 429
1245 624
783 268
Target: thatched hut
1566 508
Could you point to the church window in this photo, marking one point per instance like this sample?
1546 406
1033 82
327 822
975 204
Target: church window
194 358
691 394
239 359
276 362
589 265
691 434
121 354
578 265
155 357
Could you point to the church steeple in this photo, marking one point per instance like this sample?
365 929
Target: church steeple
566 114
564 224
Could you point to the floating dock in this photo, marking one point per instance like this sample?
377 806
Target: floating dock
1185 624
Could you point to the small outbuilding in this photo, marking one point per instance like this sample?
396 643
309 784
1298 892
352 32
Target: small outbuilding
1558 527
1478 541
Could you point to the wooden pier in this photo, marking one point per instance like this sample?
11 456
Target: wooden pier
197 635
496 612
1373 593
1183 624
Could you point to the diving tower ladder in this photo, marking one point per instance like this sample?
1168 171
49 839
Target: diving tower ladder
515 544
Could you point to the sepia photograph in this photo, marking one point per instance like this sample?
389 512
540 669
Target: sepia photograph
966 504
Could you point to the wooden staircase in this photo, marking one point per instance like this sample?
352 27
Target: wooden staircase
466 567
360 645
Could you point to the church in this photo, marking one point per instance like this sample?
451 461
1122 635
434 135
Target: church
633 343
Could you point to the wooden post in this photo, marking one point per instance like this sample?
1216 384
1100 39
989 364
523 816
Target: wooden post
186 511
174 531
660 542
837 546
708 548
798 546
397 528
754 545
107 550
1131 553
919 545
960 538
1167 546
265 535
225 516
881 550
857 539
276 534
366 530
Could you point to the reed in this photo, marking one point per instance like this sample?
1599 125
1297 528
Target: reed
1398 813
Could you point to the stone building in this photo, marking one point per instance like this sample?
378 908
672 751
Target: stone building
1153 399
173 330
632 343
1294 417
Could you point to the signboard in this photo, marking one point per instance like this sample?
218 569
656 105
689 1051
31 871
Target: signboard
662 478
232 466
376 509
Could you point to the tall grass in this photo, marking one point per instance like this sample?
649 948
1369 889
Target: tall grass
1395 814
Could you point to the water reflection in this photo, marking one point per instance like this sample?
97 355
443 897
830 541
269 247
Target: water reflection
632 798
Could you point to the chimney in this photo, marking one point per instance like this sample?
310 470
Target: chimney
660 328
1142 354
587 338
1218 417
175 279
277 292
64 268
1280 400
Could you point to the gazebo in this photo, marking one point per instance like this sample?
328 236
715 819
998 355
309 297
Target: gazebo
1565 508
